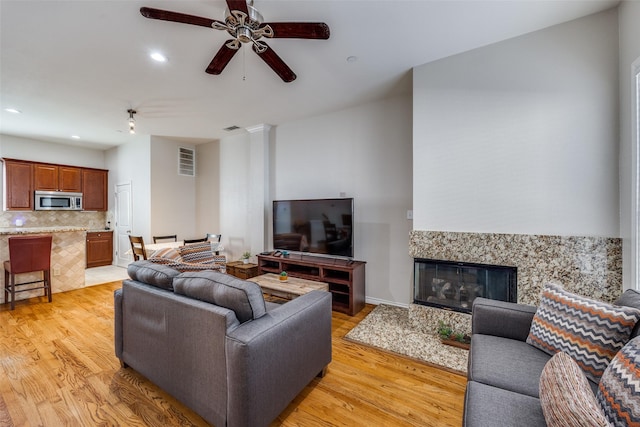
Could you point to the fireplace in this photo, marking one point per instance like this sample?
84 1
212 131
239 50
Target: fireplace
454 285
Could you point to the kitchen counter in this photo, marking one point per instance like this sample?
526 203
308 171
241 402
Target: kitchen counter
68 257
38 230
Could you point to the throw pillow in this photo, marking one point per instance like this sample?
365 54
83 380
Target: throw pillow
590 331
630 298
167 253
566 397
619 388
196 252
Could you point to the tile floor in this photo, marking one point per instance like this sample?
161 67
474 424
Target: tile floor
105 274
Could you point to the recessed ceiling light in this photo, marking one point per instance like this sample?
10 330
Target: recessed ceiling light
75 137
157 56
12 110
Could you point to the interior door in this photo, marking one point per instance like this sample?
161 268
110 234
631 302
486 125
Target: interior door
124 221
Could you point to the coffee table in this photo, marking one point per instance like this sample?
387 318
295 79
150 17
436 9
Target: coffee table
271 284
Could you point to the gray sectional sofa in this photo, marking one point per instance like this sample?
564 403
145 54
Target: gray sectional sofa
504 371
212 342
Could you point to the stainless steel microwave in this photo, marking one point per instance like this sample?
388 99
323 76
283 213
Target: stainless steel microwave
57 201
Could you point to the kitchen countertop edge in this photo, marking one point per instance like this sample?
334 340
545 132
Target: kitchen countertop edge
38 230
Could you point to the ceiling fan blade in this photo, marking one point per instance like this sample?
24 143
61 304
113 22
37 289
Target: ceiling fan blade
166 15
276 63
299 30
240 5
221 59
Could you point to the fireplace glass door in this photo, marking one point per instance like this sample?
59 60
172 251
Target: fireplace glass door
454 285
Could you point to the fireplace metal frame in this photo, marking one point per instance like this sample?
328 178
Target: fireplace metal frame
512 286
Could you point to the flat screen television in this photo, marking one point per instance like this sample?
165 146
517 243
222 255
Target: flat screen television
321 226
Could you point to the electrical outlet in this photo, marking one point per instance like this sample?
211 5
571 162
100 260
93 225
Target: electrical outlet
409 214
56 271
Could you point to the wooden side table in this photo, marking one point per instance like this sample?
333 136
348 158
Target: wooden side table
241 270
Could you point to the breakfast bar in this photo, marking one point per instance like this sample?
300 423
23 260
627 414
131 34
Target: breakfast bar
67 257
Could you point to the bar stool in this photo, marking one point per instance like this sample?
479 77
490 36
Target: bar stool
27 254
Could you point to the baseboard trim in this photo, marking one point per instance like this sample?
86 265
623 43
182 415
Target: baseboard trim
378 301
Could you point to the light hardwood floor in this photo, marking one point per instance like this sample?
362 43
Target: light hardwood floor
57 367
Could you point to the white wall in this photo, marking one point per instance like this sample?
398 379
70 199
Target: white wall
364 152
234 203
521 136
131 163
629 17
173 196
208 188
14 147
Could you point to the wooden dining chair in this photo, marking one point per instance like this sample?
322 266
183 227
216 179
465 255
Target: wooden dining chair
187 241
173 238
27 254
137 247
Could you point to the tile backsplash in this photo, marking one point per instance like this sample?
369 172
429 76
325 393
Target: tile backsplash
90 220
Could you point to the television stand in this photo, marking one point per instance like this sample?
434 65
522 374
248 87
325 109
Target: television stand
344 276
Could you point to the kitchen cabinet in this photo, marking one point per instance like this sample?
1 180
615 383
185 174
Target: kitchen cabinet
47 177
94 182
99 248
18 185
23 177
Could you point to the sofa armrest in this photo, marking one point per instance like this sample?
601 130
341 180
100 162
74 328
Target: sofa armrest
271 359
117 320
502 319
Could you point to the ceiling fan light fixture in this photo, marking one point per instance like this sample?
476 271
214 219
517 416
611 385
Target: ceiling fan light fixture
246 25
244 35
132 121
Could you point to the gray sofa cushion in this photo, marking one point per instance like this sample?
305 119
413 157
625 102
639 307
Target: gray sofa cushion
487 406
630 298
243 297
153 274
516 366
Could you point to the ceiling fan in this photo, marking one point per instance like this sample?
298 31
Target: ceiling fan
245 24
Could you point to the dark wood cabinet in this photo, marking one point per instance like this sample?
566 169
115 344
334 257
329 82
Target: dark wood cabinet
345 278
99 248
47 177
24 177
18 185
94 182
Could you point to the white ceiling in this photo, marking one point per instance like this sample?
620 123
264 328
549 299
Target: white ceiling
75 67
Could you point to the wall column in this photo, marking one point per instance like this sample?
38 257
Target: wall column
258 190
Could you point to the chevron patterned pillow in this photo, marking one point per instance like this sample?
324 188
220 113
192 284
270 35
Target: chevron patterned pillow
619 388
196 252
590 331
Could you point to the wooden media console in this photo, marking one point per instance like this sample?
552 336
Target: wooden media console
345 278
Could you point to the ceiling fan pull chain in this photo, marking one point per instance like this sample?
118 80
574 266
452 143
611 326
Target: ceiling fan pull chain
244 65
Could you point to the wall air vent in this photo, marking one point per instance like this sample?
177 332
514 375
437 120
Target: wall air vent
186 162
230 128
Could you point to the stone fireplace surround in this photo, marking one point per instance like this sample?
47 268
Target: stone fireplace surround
589 266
